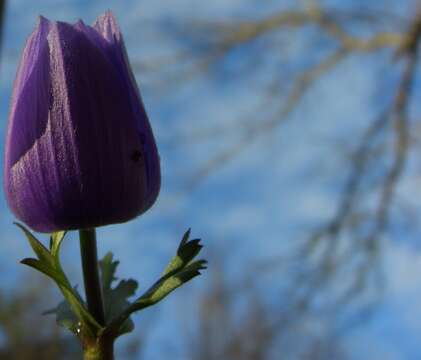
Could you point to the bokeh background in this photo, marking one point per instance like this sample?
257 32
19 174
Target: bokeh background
289 137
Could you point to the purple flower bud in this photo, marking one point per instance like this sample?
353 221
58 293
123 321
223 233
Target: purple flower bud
80 152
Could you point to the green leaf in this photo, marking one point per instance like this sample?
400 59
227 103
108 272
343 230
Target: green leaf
44 268
65 316
127 327
192 270
186 236
40 250
55 242
179 271
48 263
80 311
186 252
74 300
108 268
116 299
167 284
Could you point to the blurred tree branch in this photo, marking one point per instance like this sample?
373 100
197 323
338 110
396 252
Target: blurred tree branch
385 33
349 242
224 36
253 333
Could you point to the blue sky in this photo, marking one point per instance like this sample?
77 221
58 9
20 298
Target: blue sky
278 187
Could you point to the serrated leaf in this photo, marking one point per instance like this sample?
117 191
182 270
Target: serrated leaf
186 237
192 270
70 312
74 300
65 317
49 265
116 299
168 284
45 268
186 252
189 251
40 250
180 270
108 268
80 311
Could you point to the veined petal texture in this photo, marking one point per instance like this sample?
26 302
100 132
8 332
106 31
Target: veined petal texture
80 151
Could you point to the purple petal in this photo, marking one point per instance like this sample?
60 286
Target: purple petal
30 94
79 151
107 27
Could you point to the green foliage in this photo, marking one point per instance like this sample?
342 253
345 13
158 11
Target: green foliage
116 299
48 263
72 312
65 317
186 252
180 270
55 243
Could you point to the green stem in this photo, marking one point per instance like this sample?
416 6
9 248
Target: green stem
93 291
101 349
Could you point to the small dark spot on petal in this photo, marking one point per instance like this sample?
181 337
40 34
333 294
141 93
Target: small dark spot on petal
136 155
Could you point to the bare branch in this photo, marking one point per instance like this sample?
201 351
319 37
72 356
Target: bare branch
253 132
